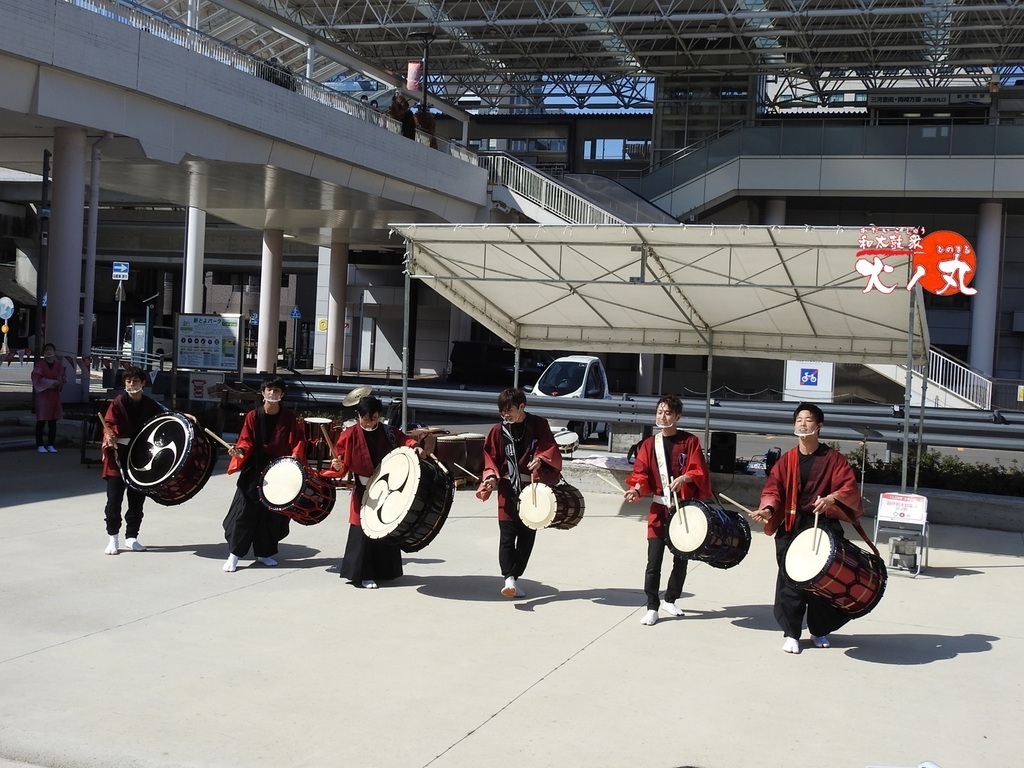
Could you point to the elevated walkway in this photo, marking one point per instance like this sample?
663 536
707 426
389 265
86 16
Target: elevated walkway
196 123
830 159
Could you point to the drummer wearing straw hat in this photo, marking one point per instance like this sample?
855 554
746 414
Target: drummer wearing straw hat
669 465
517 451
810 480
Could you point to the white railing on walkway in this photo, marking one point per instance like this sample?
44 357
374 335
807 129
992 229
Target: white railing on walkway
944 382
543 190
958 378
232 56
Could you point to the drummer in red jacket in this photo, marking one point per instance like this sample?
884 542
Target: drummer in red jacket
517 450
360 450
808 480
268 432
673 458
125 418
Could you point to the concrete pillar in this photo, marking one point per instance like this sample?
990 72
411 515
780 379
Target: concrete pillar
984 307
338 282
270 301
64 271
775 212
195 250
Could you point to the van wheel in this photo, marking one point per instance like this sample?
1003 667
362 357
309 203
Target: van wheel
577 427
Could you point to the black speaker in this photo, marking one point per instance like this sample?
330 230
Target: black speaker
723 452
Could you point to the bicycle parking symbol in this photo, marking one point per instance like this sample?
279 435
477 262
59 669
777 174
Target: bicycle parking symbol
808 377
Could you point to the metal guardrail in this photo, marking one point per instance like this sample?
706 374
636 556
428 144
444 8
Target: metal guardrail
144 360
543 190
199 42
844 422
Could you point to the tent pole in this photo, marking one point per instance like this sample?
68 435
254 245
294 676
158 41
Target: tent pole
405 341
707 398
920 425
515 374
908 386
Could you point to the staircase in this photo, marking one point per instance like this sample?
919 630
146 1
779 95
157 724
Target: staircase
516 185
950 383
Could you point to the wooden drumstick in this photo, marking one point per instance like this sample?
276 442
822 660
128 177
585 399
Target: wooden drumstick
439 463
106 429
327 437
459 466
613 485
737 504
675 501
218 438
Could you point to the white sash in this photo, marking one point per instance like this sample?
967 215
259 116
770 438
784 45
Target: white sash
659 454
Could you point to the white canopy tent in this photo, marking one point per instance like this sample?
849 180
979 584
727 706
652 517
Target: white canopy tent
772 292
789 293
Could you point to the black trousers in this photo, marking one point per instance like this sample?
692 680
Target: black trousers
515 544
652 577
51 434
249 524
791 602
116 490
369 559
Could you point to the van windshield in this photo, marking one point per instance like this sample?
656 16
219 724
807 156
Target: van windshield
563 378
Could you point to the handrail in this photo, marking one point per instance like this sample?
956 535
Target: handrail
206 45
958 378
543 190
700 143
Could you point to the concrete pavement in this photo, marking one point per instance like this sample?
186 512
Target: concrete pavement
158 658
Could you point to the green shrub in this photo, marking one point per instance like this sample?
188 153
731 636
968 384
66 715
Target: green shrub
941 471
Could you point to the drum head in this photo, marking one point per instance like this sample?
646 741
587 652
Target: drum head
567 441
809 554
537 506
283 481
688 528
390 493
317 420
157 453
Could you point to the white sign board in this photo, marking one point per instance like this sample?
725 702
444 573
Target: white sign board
809 381
208 342
203 386
903 508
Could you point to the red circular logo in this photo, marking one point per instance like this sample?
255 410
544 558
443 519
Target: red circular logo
944 264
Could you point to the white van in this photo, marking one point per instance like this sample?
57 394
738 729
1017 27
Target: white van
577 376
